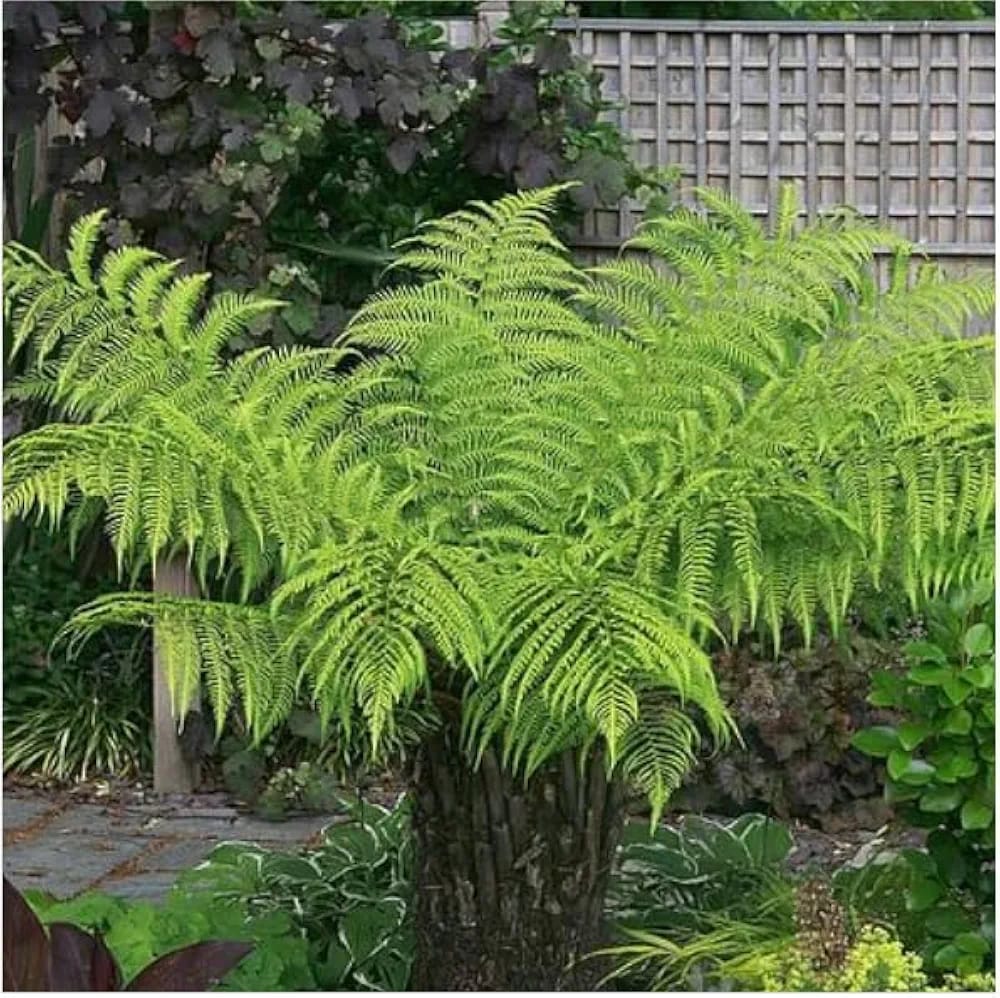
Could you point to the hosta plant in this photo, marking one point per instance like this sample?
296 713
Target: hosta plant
514 504
349 896
66 958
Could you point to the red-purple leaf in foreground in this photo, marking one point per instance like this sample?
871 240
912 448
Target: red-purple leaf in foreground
194 968
25 945
79 961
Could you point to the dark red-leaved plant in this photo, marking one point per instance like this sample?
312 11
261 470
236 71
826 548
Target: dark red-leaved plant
69 959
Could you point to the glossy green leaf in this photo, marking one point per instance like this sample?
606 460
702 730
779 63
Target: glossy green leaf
912 733
976 816
956 689
980 676
940 800
900 793
958 722
956 767
947 921
877 741
978 640
897 763
930 675
904 768
946 958
922 894
972 942
924 651
968 963
948 855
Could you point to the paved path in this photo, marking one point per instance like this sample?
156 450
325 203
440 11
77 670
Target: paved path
135 851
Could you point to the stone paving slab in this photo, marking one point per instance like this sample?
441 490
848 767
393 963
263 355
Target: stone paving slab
178 856
66 847
19 811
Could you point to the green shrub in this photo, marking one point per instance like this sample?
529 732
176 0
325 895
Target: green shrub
698 866
876 962
940 767
694 901
709 906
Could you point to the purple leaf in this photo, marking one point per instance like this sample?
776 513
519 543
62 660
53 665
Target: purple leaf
92 15
79 961
402 152
46 17
138 123
535 168
200 19
458 64
553 53
100 113
25 945
216 52
347 99
194 968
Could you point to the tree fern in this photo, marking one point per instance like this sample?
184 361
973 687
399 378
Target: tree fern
534 492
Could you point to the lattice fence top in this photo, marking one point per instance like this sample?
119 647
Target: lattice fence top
894 119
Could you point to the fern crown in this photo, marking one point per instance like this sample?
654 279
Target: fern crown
536 490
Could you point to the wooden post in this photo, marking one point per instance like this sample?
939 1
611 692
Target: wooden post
490 14
172 772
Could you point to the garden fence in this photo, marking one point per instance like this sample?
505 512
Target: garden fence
896 119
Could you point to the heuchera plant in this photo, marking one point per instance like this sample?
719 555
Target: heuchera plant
69 959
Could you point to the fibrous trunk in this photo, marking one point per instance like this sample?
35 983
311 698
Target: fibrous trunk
511 877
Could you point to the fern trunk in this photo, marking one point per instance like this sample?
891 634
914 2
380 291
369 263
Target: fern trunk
511 878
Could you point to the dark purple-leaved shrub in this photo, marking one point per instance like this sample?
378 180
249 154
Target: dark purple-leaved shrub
797 712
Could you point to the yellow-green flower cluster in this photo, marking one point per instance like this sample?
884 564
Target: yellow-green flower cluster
878 962
875 962
969 983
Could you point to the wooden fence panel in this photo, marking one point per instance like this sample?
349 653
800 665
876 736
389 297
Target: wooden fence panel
896 119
